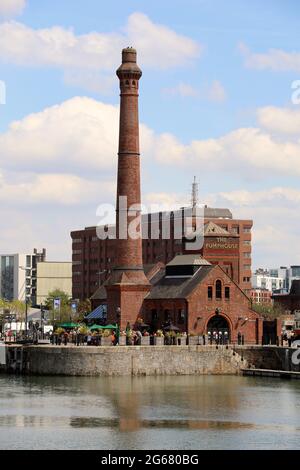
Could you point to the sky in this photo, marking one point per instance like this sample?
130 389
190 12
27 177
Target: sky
219 100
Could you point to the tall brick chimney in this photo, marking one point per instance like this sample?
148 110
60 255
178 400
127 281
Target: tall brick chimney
128 285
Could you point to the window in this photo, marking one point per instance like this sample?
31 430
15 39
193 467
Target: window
247 255
180 316
218 290
154 314
167 315
246 229
235 229
227 293
247 242
247 266
246 279
210 292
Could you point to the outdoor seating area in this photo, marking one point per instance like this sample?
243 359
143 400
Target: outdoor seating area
138 335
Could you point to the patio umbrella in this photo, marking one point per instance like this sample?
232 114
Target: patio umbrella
106 327
96 327
69 325
171 328
142 325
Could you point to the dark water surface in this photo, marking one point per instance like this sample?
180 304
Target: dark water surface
207 412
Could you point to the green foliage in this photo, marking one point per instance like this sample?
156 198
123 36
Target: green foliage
83 330
83 309
59 331
15 307
268 312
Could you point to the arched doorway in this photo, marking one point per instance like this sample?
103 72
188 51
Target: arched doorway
218 330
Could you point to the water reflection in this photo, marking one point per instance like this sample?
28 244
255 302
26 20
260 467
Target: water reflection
160 410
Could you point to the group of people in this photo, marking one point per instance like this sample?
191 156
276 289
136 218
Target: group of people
79 339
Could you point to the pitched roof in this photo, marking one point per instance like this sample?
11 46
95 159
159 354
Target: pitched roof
100 293
188 260
177 287
213 229
150 270
100 313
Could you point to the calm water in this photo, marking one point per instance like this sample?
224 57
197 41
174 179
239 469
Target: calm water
149 413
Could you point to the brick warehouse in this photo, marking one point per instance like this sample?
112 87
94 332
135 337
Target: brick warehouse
196 295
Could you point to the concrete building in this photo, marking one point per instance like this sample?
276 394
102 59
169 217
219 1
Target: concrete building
265 280
50 276
29 276
276 279
18 272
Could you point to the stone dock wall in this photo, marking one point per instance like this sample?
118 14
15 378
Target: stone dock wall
144 360
270 357
118 361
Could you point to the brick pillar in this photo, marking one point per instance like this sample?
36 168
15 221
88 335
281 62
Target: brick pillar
128 285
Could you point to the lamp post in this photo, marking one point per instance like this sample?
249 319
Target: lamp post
118 312
26 317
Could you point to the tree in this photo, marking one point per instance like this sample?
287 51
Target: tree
84 308
17 309
64 313
268 312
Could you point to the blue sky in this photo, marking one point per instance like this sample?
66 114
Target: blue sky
215 102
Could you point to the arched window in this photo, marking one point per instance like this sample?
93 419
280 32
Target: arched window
210 292
218 289
133 83
127 83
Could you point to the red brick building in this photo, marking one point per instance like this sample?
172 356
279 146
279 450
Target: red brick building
227 242
261 296
199 298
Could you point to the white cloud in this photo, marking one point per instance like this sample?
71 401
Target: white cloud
158 45
88 57
243 151
274 59
80 135
54 189
280 120
9 8
216 92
